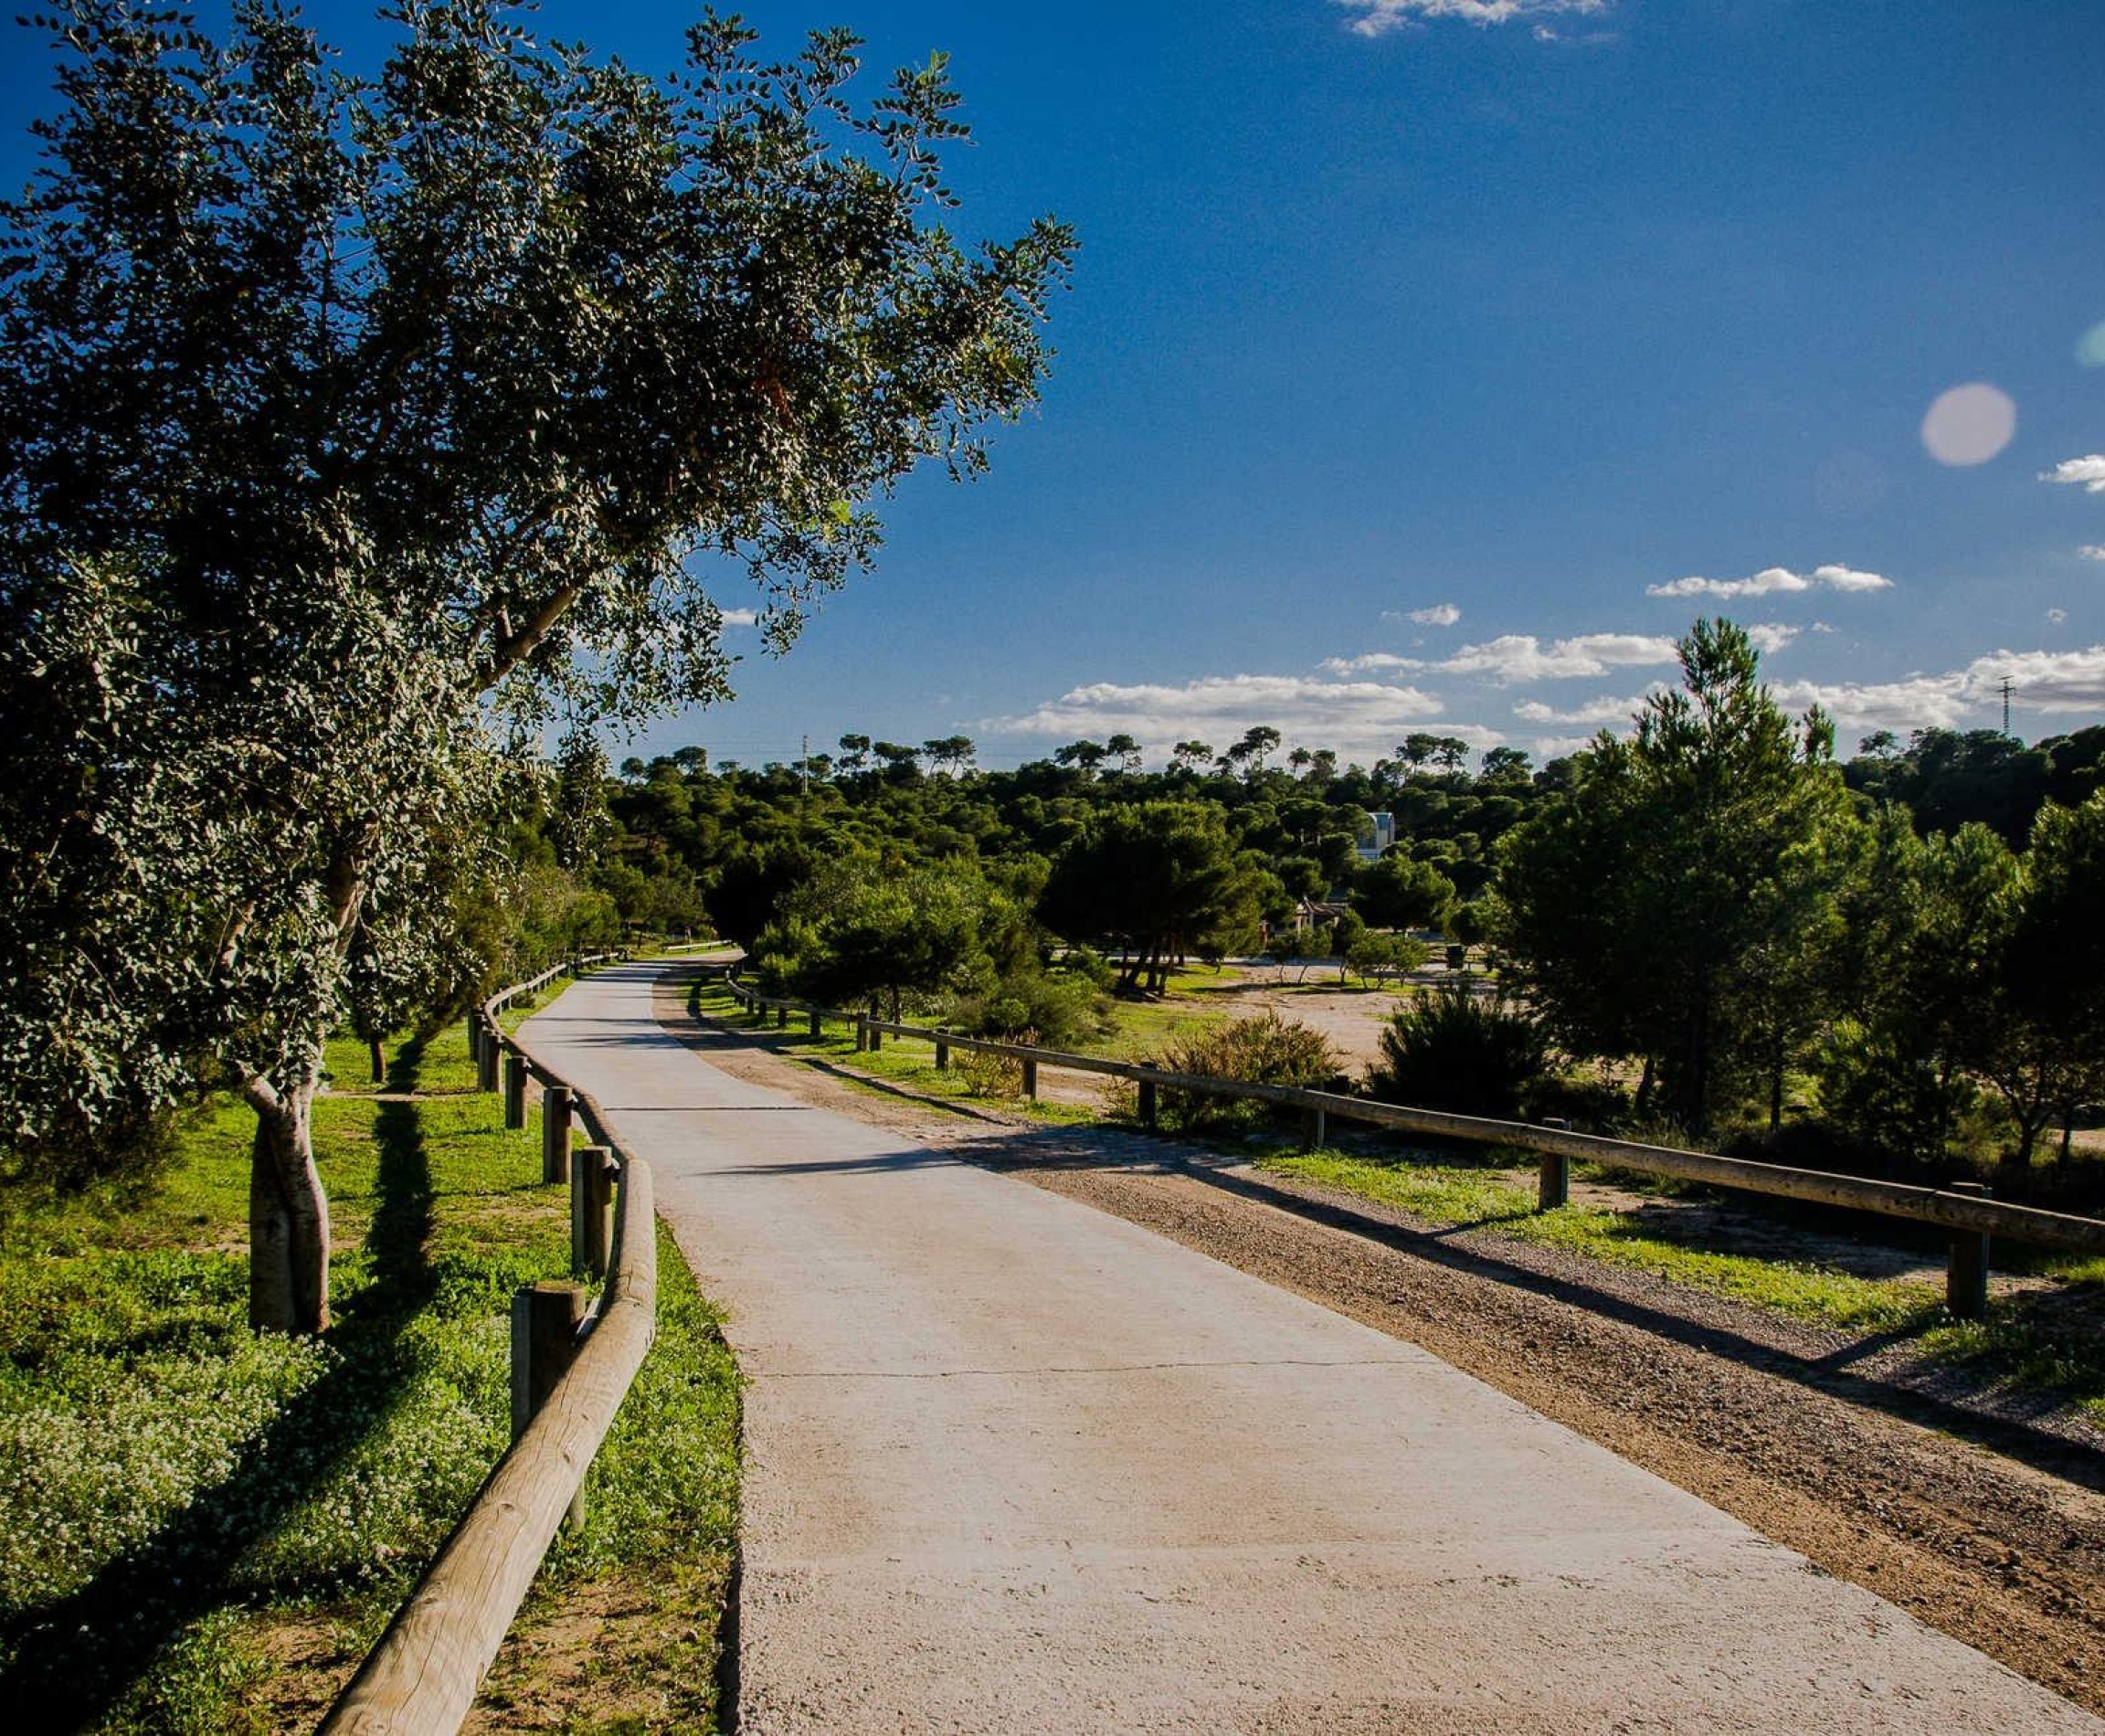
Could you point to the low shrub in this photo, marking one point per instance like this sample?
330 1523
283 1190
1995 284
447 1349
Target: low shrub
987 1075
1588 1104
1264 1050
1062 1007
1452 1050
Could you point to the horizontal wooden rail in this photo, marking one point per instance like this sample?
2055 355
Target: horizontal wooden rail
1944 1207
422 1677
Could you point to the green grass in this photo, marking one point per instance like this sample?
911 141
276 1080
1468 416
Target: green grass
1145 1027
1438 1192
2046 1341
183 1491
2050 1340
1446 1193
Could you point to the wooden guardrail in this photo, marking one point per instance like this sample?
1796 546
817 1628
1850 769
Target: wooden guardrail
1965 1210
571 1369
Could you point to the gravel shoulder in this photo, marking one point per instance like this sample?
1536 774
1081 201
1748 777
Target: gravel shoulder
1986 1523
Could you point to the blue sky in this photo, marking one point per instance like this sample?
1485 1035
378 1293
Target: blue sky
1432 364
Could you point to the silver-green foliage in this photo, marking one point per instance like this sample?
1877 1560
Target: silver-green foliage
350 426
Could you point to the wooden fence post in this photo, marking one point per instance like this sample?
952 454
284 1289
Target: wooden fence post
782 1017
876 1037
861 1031
1554 1188
544 1320
556 1133
591 1210
475 1035
1149 1112
486 1060
1030 1077
815 1022
515 1091
1966 1279
942 1055
1312 1129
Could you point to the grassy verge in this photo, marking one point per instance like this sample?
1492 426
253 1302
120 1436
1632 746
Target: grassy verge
205 1528
2046 1339
1444 1191
623 1629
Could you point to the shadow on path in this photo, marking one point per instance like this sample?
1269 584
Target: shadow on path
1007 1148
1057 1148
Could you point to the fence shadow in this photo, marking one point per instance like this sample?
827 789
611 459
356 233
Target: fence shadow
74 1661
1056 1148
1830 1375
1007 1148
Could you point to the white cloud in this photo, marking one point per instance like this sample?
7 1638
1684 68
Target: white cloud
1916 702
1360 719
1439 615
1517 657
2093 551
1605 710
1770 636
1548 748
2042 680
1379 16
1520 657
2050 682
1847 578
1773 581
2057 616
741 618
1370 660
2089 472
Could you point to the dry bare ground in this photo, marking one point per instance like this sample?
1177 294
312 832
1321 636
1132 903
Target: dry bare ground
1985 1522
1349 1017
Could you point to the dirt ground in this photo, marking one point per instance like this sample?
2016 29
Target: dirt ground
1350 1018
1982 1516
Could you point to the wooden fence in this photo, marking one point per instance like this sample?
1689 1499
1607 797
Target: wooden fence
1963 1209
571 1367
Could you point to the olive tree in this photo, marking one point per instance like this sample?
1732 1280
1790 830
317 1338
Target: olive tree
353 427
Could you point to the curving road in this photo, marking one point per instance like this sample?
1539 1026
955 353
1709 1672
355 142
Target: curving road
1017 1465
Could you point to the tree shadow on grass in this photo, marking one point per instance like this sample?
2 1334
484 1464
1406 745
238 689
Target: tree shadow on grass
75 1660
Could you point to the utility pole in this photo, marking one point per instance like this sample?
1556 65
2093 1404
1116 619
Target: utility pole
804 764
2005 704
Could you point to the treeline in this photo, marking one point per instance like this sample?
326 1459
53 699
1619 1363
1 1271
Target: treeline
680 837
1715 921
1715 902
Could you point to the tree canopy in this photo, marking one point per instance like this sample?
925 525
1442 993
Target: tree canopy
353 424
1638 914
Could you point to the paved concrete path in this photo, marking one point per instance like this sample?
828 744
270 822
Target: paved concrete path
1014 1464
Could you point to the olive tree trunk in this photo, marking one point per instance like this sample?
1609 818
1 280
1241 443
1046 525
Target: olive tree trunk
288 1213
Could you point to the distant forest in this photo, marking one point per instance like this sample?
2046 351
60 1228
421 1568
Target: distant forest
1711 924
681 843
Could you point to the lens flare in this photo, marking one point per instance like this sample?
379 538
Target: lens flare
1970 424
2090 346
